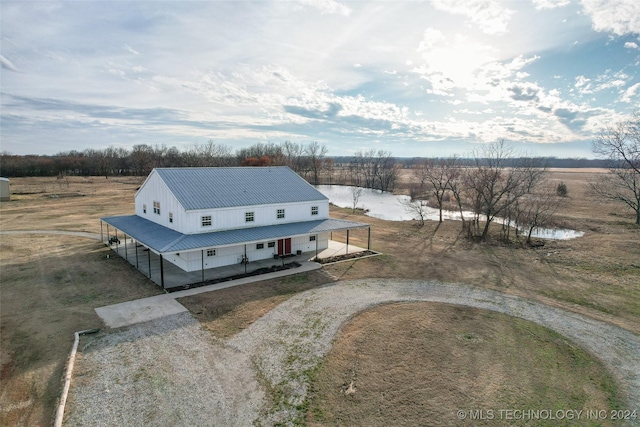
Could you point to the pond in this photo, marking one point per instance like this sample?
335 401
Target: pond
390 207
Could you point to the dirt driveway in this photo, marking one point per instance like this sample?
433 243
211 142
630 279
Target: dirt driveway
173 372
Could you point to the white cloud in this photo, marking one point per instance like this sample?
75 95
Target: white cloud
488 15
617 16
5 63
130 49
550 4
631 45
328 7
630 95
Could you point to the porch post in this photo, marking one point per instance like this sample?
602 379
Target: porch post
369 238
101 234
117 243
347 250
149 259
161 272
126 256
244 261
202 255
108 233
316 246
136 243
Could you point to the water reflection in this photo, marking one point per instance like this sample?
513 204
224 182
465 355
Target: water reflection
390 207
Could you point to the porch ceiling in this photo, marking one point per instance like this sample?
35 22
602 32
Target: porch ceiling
164 240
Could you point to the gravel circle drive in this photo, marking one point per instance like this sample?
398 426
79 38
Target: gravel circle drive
171 371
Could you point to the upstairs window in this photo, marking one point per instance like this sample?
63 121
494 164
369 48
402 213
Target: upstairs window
211 252
206 221
170 217
280 214
312 238
314 210
156 208
248 217
144 208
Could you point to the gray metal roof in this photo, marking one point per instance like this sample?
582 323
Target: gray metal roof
210 188
164 240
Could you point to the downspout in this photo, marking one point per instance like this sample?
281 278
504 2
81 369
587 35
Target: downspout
202 255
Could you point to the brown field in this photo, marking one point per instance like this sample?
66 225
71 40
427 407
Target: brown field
51 284
444 358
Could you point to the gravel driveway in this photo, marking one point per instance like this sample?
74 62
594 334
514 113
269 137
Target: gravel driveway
173 372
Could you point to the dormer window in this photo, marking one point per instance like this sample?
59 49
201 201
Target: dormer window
249 217
314 210
206 221
280 214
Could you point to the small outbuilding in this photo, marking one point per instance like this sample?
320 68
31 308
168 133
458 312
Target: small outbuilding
5 194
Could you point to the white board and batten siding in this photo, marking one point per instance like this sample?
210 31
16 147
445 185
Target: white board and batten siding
154 190
227 255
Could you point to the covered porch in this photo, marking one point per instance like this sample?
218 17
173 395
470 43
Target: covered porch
125 238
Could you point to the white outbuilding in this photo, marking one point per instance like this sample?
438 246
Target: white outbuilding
203 218
5 193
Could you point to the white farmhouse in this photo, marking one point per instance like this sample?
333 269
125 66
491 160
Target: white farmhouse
204 218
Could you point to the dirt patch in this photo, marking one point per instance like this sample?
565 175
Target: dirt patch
447 358
228 311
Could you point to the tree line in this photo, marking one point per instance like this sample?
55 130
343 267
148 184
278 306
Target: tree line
491 182
371 169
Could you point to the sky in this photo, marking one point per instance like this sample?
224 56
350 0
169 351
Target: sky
414 78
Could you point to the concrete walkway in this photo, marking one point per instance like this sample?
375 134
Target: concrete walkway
146 309
151 308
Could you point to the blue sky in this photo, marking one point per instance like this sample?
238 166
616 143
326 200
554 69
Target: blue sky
427 78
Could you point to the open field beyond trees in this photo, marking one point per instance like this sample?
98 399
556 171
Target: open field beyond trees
52 283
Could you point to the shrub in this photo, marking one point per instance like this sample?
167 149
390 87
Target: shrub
561 190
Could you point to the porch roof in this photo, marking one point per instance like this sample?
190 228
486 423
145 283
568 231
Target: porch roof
161 239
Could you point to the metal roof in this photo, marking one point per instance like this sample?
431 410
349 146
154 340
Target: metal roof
164 240
220 187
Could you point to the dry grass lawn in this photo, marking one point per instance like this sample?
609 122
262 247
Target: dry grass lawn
51 284
445 358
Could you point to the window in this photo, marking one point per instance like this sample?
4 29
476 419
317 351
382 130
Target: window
206 221
144 208
170 217
260 246
312 238
314 210
211 252
280 213
271 244
156 208
248 217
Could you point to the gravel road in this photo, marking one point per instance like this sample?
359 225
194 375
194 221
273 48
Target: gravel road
173 372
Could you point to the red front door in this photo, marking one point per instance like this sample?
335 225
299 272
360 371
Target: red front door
284 246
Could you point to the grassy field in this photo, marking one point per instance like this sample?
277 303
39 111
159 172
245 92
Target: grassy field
445 358
51 284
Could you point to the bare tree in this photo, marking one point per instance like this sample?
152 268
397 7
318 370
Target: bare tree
620 145
416 208
315 154
435 177
356 193
495 183
537 210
